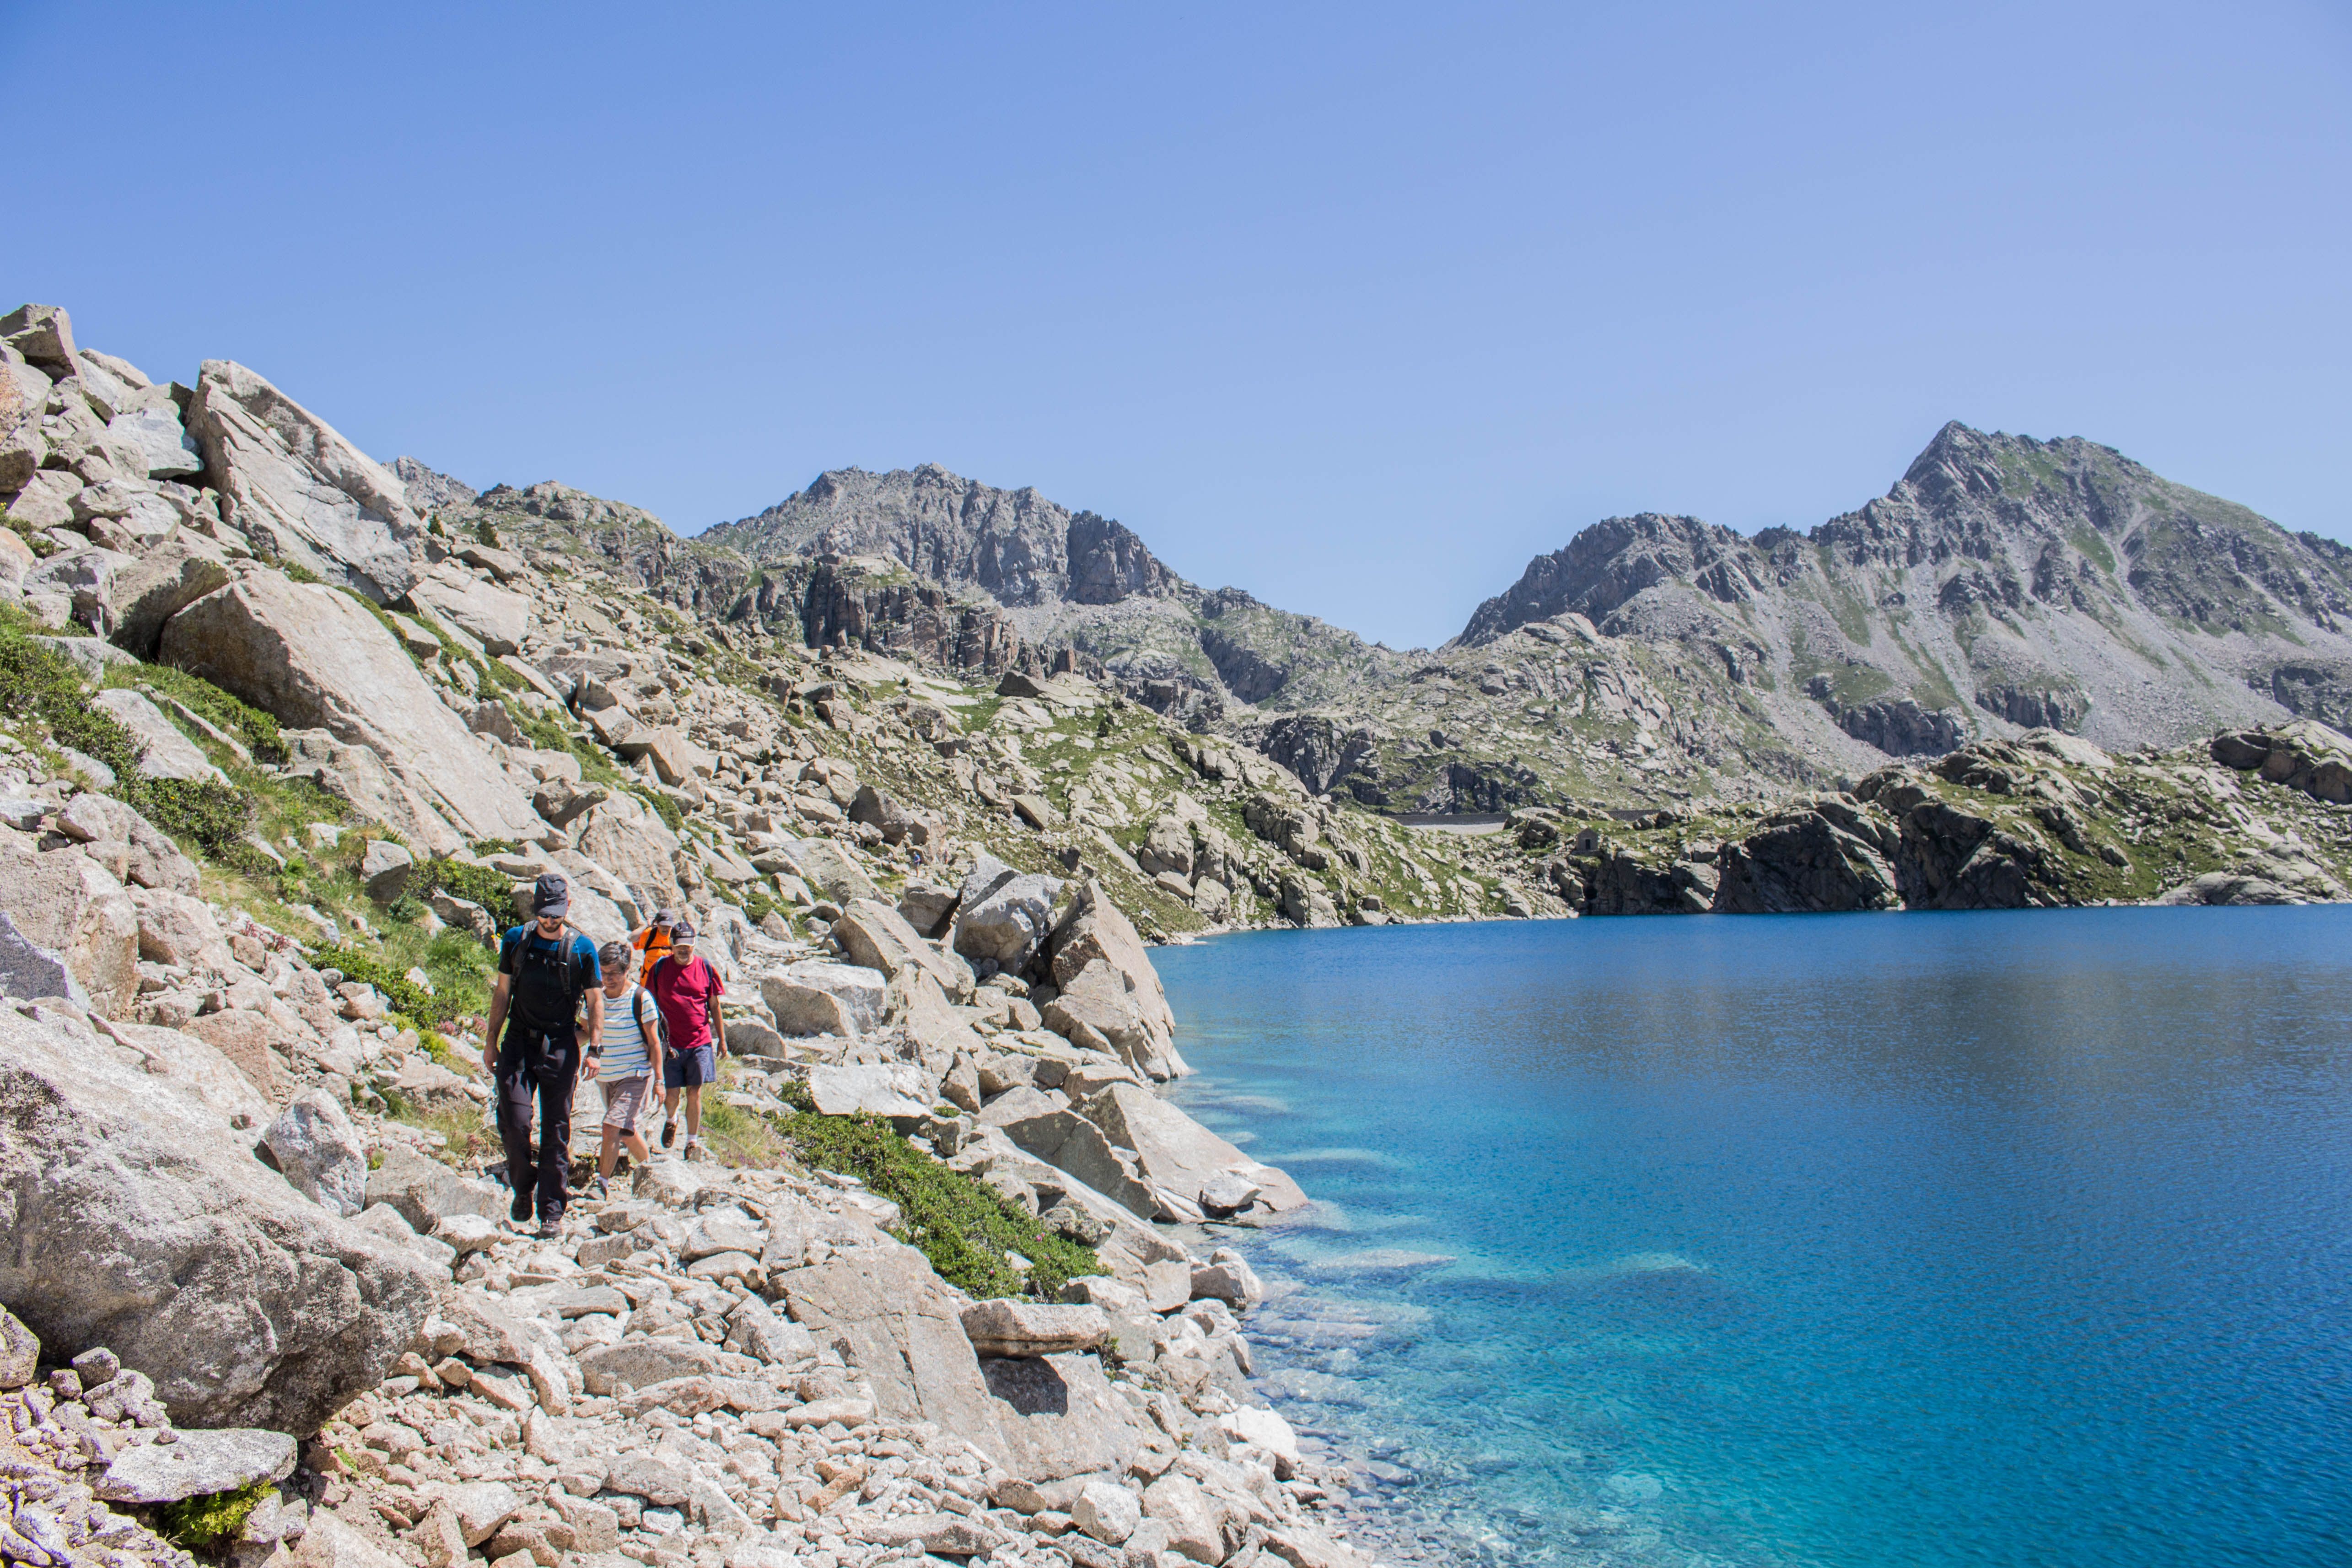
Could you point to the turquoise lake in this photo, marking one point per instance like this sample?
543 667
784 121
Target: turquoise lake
2003 1238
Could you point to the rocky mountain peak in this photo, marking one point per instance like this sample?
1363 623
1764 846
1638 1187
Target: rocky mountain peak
1015 546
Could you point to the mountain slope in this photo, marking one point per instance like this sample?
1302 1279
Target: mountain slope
2002 584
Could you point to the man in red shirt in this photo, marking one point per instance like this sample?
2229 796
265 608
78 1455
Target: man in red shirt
686 989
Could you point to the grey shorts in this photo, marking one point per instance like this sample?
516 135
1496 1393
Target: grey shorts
623 1098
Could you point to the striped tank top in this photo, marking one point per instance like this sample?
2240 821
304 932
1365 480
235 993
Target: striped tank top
624 1041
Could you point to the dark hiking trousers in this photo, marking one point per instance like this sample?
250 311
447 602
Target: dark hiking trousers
547 1066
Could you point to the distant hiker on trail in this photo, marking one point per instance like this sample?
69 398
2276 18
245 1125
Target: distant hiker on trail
652 939
686 988
632 1057
543 973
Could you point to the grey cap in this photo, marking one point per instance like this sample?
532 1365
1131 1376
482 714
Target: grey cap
552 896
682 931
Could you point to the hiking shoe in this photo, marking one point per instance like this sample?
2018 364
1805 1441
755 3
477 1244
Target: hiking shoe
670 1132
519 1211
603 1190
549 1229
693 1150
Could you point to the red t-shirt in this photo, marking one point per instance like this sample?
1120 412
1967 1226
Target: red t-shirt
684 993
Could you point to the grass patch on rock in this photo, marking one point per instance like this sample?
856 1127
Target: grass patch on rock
963 1227
209 1521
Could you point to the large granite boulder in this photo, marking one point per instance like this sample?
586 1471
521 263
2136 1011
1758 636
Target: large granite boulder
317 1150
1093 932
496 618
874 934
316 660
1009 923
1061 1417
1178 1156
903 1331
1099 1010
357 776
829 868
128 1220
65 903
297 489
814 997
139 598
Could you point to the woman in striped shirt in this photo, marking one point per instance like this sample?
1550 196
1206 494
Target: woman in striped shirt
632 1062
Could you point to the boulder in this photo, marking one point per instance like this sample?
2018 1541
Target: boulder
328 1542
753 1329
481 1507
1015 1329
164 752
245 1040
86 577
900 1325
1098 1010
873 934
640 1364
925 907
385 871
127 1220
154 430
626 838
135 601
1069 1141
1095 931
316 660
1107 1512
315 1148
1010 922
1195 1521
297 489
424 1192
65 903
828 867
195 1463
31 971
357 776
497 618
814 997
20 1352
1175 1154
935 1030
865 1089
131 848
675 758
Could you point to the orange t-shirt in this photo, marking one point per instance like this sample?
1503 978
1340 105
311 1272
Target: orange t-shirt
653 944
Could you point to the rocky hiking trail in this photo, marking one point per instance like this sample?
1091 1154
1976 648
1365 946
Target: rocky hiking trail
285 732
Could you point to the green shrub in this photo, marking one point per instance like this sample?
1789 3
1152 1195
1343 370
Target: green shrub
964 1227
405 995
210 1520
494 890
664 808
256 730
43 686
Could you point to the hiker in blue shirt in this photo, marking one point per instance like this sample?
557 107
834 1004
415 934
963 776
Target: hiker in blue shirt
544 972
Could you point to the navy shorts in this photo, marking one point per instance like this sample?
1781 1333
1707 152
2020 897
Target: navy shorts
684 1070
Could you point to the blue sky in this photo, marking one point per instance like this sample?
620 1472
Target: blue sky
1356 307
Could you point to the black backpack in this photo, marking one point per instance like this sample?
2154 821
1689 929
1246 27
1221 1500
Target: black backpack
548 985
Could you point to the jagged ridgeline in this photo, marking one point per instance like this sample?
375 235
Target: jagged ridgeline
2002 584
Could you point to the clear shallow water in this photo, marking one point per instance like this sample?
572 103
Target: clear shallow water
1883 1239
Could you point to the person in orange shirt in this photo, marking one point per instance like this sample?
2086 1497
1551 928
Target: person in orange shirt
653 940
